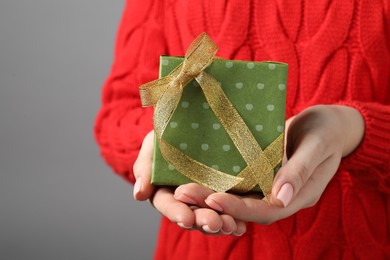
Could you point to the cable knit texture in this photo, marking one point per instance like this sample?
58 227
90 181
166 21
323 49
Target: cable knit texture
338 53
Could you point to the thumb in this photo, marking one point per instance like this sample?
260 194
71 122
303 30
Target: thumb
294 174
142 169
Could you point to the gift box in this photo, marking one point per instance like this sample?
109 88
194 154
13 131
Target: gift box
216 145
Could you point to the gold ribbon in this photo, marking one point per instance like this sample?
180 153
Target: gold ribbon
165 93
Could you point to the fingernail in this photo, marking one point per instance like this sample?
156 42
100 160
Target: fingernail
185 199
238 234
208 229
226 232
285 194
137 187
183 226
214 205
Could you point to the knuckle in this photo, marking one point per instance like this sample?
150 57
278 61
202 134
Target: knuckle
301 175
320 143
317 141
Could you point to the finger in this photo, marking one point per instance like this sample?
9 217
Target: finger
241 208
208 220
193 194
311 192
228 224
249 209
143 169
315 186
307 155
241 228
174 210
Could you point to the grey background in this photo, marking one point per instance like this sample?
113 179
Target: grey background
58 200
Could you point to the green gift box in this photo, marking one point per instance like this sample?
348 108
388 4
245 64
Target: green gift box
257 90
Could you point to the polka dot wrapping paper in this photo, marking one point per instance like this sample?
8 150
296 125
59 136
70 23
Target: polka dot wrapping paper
257 90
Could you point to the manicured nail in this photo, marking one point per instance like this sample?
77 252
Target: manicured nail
226 232
183 226
185 199
285 194
208 229
137 187
214 205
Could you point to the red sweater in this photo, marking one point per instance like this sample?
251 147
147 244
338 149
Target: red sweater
337 51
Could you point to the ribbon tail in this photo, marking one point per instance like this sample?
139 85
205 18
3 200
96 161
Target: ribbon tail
196 171
274 154
165 107
259 167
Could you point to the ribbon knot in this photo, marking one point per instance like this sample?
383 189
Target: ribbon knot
165 93
181 79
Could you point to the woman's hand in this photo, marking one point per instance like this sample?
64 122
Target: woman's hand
316 140
187 214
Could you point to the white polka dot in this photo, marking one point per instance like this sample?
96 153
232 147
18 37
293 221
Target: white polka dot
271 66
229 64
165 62
206 105
226 147
259 128
239 85
280 128
183 146
216 126
236 168
214 166
250 65
184 104
205 147
260 85
249 107
194 125
173 124
270 107
171 167
282 86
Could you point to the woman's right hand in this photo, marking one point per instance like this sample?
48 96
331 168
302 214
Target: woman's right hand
187 216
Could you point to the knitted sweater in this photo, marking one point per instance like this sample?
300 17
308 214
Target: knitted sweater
338 53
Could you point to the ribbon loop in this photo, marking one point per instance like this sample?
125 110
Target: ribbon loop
202 50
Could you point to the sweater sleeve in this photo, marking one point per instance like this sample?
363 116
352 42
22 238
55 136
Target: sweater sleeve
122 123
374 151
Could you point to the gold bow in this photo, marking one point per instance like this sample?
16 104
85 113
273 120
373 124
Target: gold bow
165 93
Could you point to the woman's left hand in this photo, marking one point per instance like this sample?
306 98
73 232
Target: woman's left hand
316 140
